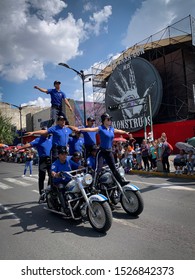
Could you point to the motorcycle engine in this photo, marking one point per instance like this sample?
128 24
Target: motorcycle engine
106 178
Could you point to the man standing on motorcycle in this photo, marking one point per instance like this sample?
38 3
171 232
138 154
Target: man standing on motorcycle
43 146
60 133
106 132
57 97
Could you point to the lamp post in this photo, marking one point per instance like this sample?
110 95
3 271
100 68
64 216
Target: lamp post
20 112
83 77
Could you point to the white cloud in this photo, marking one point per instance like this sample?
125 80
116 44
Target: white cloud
98 19
39 102
155 15
32 36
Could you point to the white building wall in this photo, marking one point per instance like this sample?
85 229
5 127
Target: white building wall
40 117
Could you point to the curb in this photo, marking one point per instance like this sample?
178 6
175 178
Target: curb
161 174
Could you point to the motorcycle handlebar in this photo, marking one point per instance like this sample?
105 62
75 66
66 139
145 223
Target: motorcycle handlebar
73 173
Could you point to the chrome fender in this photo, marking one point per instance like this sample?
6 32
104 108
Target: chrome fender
130 187
97 197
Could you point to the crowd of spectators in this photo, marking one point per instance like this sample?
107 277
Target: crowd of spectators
11 155
152 155
149 155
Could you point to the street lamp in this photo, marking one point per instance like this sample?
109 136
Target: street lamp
83 77
20 112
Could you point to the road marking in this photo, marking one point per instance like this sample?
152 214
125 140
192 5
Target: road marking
29 179
166 186
35 191
17 182
125 223
7 212
5 187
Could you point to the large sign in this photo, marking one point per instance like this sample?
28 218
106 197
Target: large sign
127 93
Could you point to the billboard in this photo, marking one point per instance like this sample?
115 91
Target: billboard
127 93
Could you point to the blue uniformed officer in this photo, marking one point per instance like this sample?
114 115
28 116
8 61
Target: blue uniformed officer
60 134
57 96
91 160
89 137
76 143
106 132
43 145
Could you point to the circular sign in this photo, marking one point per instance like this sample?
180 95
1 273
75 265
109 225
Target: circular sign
127 94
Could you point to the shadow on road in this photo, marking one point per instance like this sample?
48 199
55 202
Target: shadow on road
31 217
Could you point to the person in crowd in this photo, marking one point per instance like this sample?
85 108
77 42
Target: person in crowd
190 162
60 133
129 158
91 160
28 162
106 132
179 162
153 155
89 137
131 140
138 156
119 151
57 97
75 161
43 146
163 135
165 155
76 143
145 154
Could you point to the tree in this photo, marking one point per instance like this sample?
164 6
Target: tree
6 130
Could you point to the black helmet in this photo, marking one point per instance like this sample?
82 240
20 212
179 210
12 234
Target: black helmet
77 155
105 116
61 115
62 150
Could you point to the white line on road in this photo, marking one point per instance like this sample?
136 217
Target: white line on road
30 179
7 212
17 182
166 186
35 191
125 223
5 187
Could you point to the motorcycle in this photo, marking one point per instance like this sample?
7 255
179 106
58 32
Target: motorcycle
129 195
75 200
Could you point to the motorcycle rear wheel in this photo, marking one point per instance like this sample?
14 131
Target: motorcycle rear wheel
135 204
102 220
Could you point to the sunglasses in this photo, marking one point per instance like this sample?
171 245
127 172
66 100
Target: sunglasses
108 119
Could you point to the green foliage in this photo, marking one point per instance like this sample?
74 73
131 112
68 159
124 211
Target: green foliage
6 130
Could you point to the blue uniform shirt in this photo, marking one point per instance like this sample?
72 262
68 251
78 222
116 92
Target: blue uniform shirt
60 135
43 145
106 137
89 138
91 162
74 165
57 166
75 145
56 96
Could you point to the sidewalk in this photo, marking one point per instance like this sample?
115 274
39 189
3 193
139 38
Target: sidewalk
163 174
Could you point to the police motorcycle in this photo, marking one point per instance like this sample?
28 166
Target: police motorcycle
75 200
128 195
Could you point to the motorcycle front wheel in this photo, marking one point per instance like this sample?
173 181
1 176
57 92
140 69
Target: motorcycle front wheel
135 204
101 218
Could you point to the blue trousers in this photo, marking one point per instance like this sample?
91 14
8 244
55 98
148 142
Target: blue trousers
28 164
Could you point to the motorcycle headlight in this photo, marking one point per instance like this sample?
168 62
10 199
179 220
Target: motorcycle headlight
87 179
121 171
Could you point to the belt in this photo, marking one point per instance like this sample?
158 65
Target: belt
105 150
56 106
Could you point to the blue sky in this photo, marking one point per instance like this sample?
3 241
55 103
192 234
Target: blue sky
37 35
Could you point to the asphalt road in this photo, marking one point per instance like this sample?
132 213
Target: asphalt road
164 231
